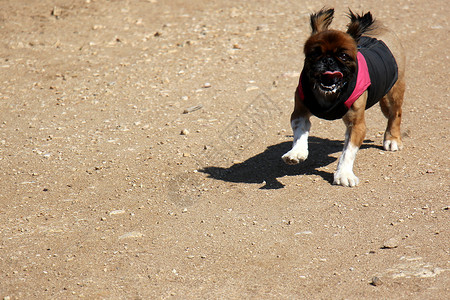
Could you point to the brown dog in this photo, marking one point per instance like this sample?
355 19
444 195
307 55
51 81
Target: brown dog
344 74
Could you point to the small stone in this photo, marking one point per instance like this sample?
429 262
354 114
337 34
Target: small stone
207 85
391 243
376 281
192 109
291 74
262 27
116 212
56 12
303 232
184 132
133 234
251 88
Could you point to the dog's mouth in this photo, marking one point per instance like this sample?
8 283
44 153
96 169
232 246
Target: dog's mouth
331 81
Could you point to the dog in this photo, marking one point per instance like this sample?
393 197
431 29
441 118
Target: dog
344 74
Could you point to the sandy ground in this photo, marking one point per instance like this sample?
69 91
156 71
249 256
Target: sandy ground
109 190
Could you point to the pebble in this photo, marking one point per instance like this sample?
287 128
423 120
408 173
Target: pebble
391 243
207 85
303 232
192 109
56 12
251 88
133 234
376 281
116 212
262 27
184 132
291 74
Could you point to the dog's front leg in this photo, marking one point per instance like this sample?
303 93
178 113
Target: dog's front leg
300 126
354 136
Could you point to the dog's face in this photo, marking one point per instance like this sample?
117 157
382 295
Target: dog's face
330 61
330 55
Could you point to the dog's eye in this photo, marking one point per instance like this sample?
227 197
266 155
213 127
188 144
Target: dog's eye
316 52
344 56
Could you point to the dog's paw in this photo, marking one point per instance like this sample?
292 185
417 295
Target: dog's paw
294 157
346 179
392 145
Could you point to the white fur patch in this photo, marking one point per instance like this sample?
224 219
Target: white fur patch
344 173
299 151
390 145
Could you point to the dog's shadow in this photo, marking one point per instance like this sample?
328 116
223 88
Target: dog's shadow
268 165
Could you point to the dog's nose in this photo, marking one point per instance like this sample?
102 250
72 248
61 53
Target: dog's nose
328 61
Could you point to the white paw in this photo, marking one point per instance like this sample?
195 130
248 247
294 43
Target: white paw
391 145
294 157
345 179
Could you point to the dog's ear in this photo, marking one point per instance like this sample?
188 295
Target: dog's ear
360 24
321 20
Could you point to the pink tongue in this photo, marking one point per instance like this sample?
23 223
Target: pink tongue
334 74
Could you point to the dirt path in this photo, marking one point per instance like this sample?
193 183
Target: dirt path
108 190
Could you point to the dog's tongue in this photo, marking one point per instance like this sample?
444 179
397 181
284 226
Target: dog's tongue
334 74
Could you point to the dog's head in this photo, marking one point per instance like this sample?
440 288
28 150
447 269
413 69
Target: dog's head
331 55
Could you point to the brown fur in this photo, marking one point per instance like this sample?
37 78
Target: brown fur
335 40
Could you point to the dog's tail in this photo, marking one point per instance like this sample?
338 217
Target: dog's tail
360 24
